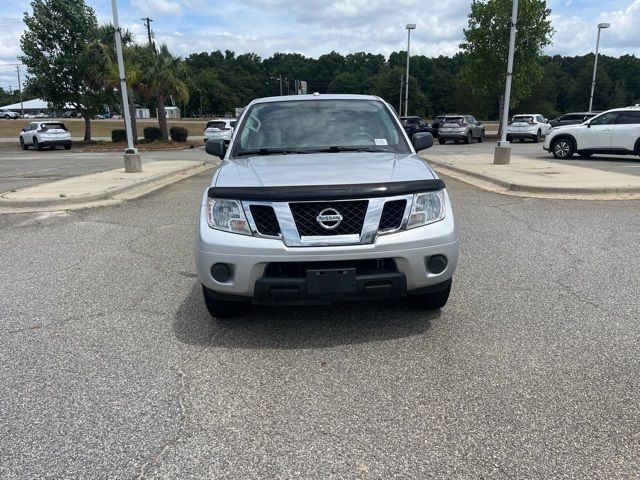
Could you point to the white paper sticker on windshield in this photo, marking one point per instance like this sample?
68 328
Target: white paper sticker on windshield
381 141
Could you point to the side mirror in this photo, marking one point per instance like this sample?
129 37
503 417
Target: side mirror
23 130
215 147
422 141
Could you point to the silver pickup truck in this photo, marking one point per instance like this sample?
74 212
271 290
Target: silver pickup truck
321 198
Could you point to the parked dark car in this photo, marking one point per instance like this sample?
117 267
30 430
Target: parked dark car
572 118
413 125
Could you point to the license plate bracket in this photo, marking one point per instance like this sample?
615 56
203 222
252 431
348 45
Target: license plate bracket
331 281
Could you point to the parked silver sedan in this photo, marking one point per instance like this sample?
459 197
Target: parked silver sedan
460 128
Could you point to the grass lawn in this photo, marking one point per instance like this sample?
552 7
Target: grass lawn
99 128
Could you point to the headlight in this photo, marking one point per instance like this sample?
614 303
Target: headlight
427 208
227 215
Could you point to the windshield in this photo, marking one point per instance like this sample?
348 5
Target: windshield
300 126
53 126
458 120
217 124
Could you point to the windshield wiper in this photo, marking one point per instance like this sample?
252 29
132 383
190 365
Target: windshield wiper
265 151
336 149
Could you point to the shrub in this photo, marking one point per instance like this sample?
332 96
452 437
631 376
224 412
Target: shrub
118 136
179 134
152 133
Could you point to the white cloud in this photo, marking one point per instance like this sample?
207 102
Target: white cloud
155 7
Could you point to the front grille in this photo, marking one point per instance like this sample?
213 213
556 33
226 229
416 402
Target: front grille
373 266
266 221
353 213
392 214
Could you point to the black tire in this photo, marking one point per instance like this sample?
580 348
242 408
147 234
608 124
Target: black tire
562 148
509 139
481 138
36 144
469 138
431 301
537 137
67 146
442 141
23 146
456 141
221 308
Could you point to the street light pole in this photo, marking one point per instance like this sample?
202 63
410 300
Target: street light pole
132 163
20 91
400 102
595 64
410 26
502 153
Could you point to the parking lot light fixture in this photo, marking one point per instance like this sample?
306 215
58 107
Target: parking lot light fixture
410 26
502 155
132 162
595 64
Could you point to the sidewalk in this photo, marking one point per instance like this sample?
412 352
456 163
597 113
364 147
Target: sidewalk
97 189
527 177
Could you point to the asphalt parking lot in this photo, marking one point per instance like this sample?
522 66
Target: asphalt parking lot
111 368
19 169
628 164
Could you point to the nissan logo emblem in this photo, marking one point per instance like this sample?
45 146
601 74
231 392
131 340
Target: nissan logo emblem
329 218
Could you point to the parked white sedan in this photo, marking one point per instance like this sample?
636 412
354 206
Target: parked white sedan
45 134
532 126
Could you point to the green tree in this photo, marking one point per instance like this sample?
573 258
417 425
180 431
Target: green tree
487 45
55 52
159 76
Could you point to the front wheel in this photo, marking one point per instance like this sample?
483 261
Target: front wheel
562 149
469 137
431 301
23 146
442 141
222 308
481 138
67 146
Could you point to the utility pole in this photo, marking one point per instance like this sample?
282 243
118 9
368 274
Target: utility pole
280 80
595 64
147 22
11 92
20 91
400 102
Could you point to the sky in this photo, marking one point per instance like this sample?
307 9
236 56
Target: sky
314 27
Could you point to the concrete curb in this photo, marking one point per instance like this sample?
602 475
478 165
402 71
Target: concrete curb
535 189
103 197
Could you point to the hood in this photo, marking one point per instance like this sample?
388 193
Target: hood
321 169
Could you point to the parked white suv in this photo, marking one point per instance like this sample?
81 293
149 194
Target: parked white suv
219 128
615 132
532 126
45 134
321 198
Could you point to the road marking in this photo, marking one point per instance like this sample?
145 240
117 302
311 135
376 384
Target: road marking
40 170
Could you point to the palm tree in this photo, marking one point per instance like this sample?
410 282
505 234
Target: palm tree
159 75
102 66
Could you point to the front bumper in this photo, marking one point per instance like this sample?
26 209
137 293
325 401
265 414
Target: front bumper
249 256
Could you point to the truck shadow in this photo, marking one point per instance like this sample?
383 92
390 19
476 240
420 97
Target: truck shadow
299 327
